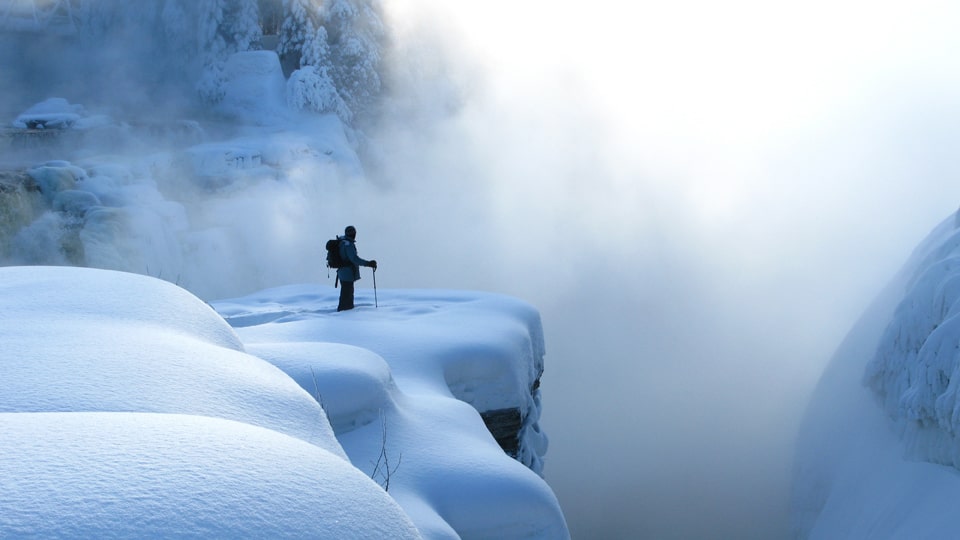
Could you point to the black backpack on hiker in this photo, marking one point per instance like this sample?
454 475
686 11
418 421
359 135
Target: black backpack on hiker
334 259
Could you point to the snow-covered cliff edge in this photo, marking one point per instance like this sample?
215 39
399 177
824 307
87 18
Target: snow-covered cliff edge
209 154
878 452
131 408
414 368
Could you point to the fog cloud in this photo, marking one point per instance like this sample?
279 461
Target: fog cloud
701 200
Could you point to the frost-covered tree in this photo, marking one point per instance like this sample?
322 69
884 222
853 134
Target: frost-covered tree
300 23
171 43
304 48
356 38
241 25
311 87
211 48
225 27
332 51
132 44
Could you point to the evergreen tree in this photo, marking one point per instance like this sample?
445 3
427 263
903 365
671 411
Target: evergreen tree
225 27
311 87
356 38
304 49
300 23
210 47
331 51
170 44
241 28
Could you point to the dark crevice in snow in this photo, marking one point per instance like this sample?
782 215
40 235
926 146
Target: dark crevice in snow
504 425
507 426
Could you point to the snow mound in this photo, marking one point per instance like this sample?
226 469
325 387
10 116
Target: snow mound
109 341
254 88
878 451
58 113
139 475
130 409
351 383
916 370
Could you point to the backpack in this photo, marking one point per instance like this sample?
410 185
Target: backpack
334 260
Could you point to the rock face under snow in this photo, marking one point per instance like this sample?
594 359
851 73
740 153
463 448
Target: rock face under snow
880 447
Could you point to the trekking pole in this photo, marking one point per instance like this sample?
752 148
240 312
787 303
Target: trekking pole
375 303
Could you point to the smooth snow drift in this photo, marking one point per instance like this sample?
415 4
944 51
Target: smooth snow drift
131 408
424 354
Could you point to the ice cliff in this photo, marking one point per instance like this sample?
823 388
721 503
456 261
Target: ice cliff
878 453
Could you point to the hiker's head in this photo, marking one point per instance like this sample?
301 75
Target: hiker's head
350 232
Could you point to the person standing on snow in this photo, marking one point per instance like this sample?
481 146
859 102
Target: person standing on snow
351 271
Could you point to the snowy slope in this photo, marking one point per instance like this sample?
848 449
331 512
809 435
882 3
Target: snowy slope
131 408
403 373
149 475
877 455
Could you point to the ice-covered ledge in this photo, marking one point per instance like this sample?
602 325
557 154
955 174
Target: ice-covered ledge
406 367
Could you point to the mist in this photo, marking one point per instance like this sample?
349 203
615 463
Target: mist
699 199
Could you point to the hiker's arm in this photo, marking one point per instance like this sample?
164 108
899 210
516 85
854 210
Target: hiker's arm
351 253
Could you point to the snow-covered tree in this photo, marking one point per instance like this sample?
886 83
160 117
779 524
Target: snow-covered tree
311 87
225 27
241 25
171 42
213 49
332 51
300 23
304 48
356 38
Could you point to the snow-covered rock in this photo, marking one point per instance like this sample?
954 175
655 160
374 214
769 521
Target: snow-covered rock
254 88
110 348
878 452
56 176
409 377
58 113
130 408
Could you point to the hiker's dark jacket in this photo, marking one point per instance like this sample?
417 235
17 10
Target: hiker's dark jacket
348 251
